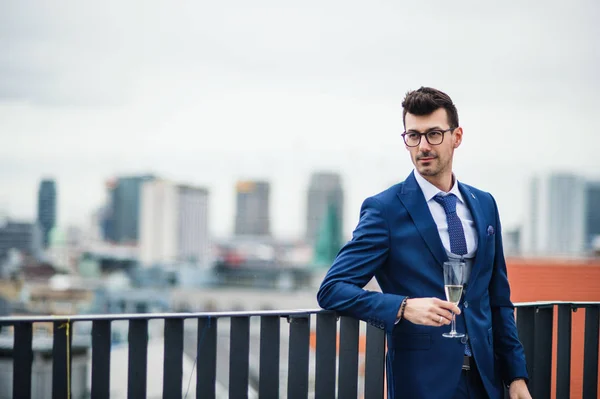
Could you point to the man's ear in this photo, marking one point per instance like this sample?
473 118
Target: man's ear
458 134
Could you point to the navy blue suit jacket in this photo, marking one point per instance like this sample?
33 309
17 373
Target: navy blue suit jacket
397 242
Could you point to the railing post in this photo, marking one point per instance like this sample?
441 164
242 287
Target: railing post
22 360
138 358
298 357
61 359
206 352
239 349
268 374
525 330
542 353
590 350
374 363
173 358
101 358
325 356
348 359
563 351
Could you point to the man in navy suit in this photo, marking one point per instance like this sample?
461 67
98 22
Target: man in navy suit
403 237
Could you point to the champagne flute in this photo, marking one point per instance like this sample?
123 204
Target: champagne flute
454 278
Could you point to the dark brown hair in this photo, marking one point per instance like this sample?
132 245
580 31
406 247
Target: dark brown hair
425 101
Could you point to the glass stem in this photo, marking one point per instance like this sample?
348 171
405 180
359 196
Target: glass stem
453 323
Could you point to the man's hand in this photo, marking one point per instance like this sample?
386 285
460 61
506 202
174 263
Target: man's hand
429 311
518 390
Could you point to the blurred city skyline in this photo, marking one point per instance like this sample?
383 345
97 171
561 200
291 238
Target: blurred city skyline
209 94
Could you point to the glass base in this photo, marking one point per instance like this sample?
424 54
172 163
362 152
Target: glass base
453 335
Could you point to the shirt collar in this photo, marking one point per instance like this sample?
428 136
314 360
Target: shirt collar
430 191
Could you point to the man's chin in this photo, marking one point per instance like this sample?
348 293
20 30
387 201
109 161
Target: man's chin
426 170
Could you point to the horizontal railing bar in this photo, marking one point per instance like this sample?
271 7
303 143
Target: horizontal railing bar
149 316
281 313
551 303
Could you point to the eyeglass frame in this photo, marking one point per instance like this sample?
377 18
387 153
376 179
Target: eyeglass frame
426 138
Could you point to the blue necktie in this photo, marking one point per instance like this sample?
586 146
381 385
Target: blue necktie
458 242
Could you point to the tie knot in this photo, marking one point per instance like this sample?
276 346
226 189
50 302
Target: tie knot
447 201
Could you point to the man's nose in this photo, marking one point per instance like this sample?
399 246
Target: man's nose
424 146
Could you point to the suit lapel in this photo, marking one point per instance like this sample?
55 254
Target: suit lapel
414 201
480 225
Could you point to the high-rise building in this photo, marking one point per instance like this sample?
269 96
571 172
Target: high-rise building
592 213
158 222
252 208
46 214
556 219
104 222
122 221
193 234
27 238
173 224
324 191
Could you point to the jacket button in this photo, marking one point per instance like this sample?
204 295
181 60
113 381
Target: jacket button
466 304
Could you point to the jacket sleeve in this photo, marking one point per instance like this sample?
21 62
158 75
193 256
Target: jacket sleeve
507 348
355 265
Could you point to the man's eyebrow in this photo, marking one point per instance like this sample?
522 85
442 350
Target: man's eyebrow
426 131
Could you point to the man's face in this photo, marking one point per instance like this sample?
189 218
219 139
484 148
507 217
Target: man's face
432 160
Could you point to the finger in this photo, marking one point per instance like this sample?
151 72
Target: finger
437 318
446 316
450 307
430 319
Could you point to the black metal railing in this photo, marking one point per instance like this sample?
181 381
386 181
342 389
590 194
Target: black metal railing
327 376
535 323
336 364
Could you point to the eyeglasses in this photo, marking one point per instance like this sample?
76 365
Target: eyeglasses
433 137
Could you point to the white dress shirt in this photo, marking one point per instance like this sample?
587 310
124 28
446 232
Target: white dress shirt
439 215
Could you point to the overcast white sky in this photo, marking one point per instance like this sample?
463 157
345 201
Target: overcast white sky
209 92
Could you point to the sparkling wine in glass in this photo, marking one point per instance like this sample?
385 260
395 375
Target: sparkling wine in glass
454 278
